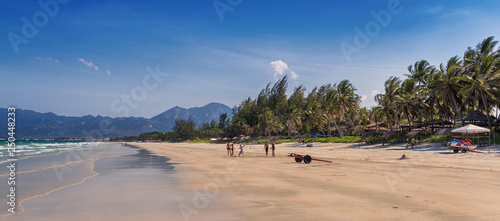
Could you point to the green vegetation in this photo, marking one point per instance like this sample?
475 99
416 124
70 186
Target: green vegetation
346 139
201 141
437 139
333 110
447 92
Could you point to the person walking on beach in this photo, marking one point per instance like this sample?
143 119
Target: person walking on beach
407 143
241 150
412 142
272 148
266 147
228 148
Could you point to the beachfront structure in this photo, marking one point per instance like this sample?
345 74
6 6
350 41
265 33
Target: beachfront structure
476 118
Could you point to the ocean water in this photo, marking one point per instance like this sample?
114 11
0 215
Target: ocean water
51 168
25 149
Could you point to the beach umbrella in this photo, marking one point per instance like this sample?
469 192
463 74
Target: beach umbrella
473 129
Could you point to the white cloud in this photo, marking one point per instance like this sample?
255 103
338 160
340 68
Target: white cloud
38 58
108 72
375 92
57 61
89 64
368 100
294 75
363 97
280 68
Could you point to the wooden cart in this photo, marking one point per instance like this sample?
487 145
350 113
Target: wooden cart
306 158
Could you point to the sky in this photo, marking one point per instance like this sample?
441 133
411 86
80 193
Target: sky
140 58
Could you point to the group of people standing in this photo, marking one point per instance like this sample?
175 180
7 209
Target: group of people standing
230 149
266 147
413 143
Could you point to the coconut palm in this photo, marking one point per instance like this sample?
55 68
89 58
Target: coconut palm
447 85
410 100
294 119
420 71
387 100
483 76
268 122
376 114
347 98
316 116
333 109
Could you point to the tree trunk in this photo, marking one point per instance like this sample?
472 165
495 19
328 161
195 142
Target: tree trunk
458 112
338 129
486 109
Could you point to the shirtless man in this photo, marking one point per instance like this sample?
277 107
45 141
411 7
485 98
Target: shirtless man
241 150
266 147
228 148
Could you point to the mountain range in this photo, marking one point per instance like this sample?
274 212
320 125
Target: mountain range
31 124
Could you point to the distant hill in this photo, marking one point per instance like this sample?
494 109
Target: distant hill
199 115
31 124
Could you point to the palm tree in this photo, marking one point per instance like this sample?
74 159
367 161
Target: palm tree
376 113
294 120
316 116
387 101
268 122
420 71
410 99
333 109
482 79
447 85
347 98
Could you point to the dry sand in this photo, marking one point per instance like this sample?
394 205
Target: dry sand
362 183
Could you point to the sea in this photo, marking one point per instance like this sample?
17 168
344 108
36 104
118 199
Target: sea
45 171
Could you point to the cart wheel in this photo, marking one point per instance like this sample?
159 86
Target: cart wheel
298 160
464 150
455 150
307 159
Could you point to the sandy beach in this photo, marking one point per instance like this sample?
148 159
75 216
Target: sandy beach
364 182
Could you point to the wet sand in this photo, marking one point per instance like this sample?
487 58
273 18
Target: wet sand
363 182
127 184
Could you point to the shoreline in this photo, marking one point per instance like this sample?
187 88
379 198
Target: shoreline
128 184
364 182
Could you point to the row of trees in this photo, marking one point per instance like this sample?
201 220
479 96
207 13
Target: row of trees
183 130
446 92
429 92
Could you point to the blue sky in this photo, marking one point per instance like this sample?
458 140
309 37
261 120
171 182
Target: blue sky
90 57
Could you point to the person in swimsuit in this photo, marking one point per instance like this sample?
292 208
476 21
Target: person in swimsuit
241 150
266 147
272 148
228 148
232 149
